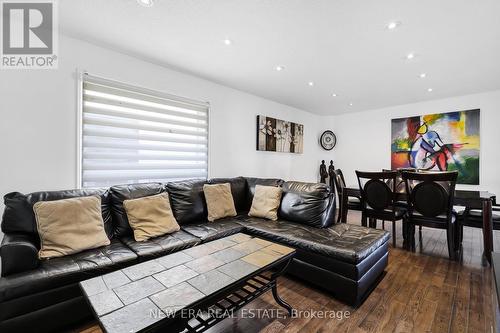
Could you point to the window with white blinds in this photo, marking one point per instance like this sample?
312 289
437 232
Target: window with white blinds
134 135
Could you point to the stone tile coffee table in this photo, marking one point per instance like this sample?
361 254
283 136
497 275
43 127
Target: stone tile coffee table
192 289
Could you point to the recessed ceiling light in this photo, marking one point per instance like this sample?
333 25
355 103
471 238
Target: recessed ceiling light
146 3
334 95
228 41
423 75
310 83
350 104
429 90
279 68
410 56
393 25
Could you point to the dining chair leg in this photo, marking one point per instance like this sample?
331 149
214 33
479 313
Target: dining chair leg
383 224
393 233
408 237
458 231
420 239
405 234
450 237
363 219
411 232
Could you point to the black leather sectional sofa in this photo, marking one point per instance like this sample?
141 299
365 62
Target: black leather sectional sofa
43 296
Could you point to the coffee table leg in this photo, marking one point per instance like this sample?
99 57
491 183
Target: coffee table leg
277 298
487 232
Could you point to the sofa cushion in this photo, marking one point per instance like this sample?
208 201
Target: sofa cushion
252 182
219 200
188 200
58 272
150 216
238 190
119 193
308 203
161 245
344 242
69 226
266 202
18 215
207 231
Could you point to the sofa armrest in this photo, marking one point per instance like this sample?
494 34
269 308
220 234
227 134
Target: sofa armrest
19 253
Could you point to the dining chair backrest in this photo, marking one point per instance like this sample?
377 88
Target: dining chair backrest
430 194
377 189
339 181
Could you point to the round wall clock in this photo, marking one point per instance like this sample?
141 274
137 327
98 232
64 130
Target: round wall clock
328 140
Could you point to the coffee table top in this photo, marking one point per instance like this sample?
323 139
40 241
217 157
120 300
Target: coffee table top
133 298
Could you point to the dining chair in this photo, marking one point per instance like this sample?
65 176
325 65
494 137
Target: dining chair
430 204
379 199
353 203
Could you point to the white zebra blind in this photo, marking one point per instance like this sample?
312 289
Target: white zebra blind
134 135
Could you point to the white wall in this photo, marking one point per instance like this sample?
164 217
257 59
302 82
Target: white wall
39 119
364 138
38 124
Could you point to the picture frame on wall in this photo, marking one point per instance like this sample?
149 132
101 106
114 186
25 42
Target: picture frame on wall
279 135
441 141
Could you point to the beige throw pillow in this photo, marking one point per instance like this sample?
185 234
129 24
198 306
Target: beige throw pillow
266 202
219 200
150 216
69 226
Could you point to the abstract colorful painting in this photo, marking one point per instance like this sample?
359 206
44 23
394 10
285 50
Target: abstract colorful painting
279 135
443 141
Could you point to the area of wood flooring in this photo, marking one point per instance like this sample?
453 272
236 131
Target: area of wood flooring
421 292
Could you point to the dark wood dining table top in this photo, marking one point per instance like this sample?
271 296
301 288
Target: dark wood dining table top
470 198
470 195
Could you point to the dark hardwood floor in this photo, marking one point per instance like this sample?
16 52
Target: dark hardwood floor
421 292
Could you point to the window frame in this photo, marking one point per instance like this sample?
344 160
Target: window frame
139 88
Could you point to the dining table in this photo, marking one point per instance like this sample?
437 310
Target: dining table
467 198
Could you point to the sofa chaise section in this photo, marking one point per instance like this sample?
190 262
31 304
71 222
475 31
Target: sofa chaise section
345 259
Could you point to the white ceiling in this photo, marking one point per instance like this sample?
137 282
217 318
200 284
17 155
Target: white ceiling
343 46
